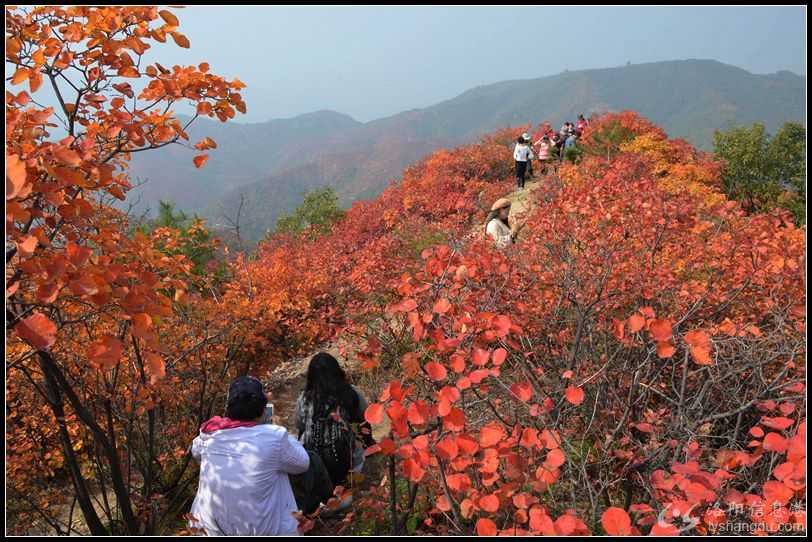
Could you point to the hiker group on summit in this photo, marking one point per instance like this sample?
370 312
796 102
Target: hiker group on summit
546 145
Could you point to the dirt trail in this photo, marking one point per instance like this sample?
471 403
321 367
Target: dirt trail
287 380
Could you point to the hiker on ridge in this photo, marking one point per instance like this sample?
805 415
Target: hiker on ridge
497 224
528 141
580 125
325 410
545 148
245 463
522 153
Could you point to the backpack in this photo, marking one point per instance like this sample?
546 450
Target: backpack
333 439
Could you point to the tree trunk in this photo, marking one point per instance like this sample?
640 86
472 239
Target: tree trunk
54 399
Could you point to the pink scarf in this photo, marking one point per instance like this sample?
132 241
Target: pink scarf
220 422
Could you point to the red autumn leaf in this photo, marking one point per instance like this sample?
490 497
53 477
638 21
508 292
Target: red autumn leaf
616 522
413 470
454 420
540 522
458 482
480 356
205 144
779 423
436 371
200 160
374 413
47 292
372 450
489 503
84 285
169 17
388 446
697 493
574 395
458 363
775 443
27 246
485 527
701 356
67 156
463 383
698 338
442 306
142 323
78 255
618 329
396 412
448 448
664 529
636 323
565 525
523 391
180 39
777 493
665 349
661 330
156 367
529 438
501 325
644 427
728 327
555 458
418 413
786 408
491 435
466 444
15 176
420 442
449 393
757 431
499 356
38 330
106 352
551 439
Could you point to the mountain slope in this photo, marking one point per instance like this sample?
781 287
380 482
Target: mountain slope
245 153
689 98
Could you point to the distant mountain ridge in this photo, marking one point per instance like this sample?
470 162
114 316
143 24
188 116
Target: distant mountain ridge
244 154
274 163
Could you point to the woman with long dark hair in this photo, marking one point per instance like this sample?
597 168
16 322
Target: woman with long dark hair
325 412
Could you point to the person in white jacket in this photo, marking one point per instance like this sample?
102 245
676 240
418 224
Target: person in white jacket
522 154
245 460
498 226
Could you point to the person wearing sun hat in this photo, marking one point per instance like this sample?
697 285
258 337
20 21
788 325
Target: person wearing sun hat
498 226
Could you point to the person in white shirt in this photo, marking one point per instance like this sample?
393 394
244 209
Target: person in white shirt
522 153
498 226
245 460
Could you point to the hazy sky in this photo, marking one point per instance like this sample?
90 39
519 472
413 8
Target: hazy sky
371 62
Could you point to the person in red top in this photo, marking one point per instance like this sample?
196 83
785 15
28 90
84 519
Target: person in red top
581 125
